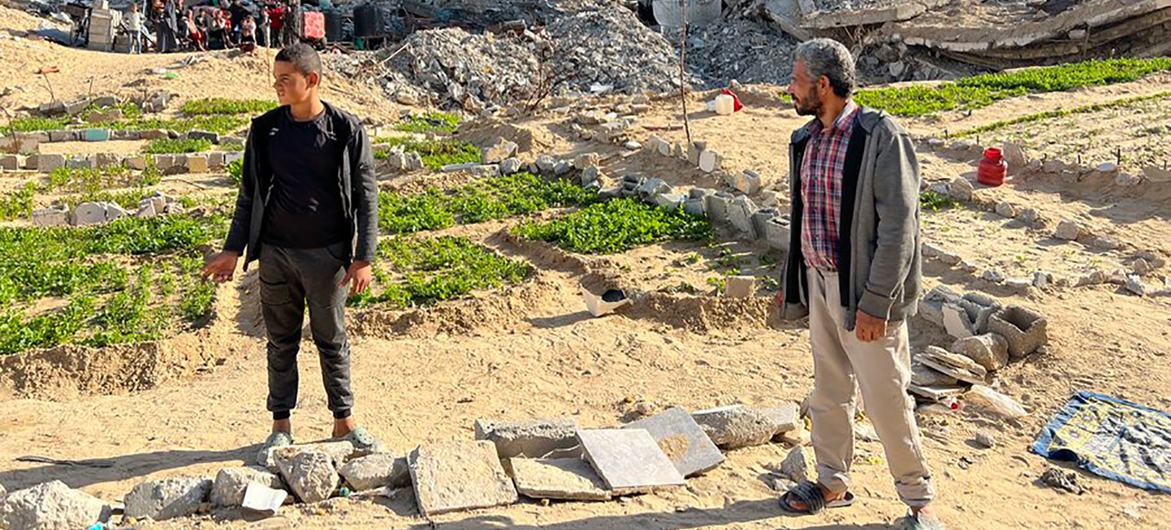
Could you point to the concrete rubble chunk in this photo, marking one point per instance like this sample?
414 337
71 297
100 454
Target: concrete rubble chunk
628 460
499 151
937 393
339 453
740 286
204 135
1067 230
586 160
709 161
460 475
510 166
668 201
761 219
1135 285
957 321
988 350
263 499
545 164
168 498
311 475
196 164
738 426
777 233
47 163
961 189
799 465
570 479
51 506
954 365
651 187
533 439
376 471
717 205
694 207
1006 209
683 441
740 215
452 168
89 213
1025 330
923 375
747 182
230 484
52 216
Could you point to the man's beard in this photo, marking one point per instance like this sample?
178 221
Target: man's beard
811 107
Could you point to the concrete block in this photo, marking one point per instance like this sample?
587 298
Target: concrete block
153 134
123 134
167 498
22 143
165 162
760 219
628 460
30 163
533 439
460 475
694 206
740 216
204 135
376 471
12 162
700 193
146 208
64 136
717 206
104 101
113 211
740 286
230 484
682 440
668 201
748 182
106 160
137 162
215 160
452 168
89 213
570 479
1025 330
709 161
957 322
651 187
47 163
55 216
95 135
231 156
737 426
196 164
777 233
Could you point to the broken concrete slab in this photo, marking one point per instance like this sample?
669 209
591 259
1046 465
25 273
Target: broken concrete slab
957 322
937 393
47 163
89 213
683 441
740 215
668 201
954 365
168 498
709 161
989 350
52 505
339 453
51 216
533 439
650 187
1025 330
460 475
789 16
717 205
499 151
628 460
311 475
376 471
740 286
263 499
230 484
569 479
737 426
924 375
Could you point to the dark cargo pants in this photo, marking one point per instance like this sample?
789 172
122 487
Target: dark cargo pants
290 279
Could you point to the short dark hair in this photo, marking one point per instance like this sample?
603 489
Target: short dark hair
832 59
302 56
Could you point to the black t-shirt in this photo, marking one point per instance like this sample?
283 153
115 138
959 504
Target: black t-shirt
305 207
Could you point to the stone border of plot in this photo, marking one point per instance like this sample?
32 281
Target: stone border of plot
167 163
28 142
962 190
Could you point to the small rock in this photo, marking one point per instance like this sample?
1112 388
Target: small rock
799 465
1126 180
1005 209
960 189
310 474
633 145
1062 480
1107 167
231 483
1140 267
1135 285
985 439
993 275
499 151
510 166
988 350
1067 230
51 505
168 498
376 471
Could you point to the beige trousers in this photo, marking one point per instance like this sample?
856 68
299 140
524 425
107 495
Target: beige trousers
882 369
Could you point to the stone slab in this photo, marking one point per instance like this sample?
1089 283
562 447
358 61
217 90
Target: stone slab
459 475
737 426
570 479
740 286
682 440
533 439
95 135
787 15
628 460
936 393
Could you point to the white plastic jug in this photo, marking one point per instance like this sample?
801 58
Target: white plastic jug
725 104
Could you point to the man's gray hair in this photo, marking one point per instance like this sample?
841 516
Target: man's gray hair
832 59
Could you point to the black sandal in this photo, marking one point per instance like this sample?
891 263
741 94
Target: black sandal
809 493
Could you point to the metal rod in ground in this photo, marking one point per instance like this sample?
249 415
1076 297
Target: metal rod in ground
682 79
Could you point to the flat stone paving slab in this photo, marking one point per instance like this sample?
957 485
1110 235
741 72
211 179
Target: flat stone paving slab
628 460
682 440
570 479
459 475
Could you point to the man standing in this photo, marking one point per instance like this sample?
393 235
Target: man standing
308 209
134 28
854 269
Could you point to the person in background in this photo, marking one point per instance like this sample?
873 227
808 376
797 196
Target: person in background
157 16
293 24
197 36
248 34
170 25
265 28
276 16
133 21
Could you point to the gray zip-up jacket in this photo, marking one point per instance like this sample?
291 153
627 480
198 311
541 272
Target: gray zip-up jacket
879 262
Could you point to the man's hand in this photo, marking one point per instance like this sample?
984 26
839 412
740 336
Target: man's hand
221 266
360 274
868 328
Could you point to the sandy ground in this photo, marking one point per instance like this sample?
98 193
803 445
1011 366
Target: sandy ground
532 351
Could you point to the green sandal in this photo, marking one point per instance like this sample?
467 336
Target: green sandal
274 440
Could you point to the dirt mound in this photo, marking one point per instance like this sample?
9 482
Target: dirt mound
484 132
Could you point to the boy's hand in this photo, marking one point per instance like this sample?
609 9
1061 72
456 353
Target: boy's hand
360 274
221 266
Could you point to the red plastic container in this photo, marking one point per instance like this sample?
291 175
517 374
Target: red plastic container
992 168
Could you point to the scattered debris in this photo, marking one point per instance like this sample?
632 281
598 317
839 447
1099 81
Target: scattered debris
628 460
1062 480
460 475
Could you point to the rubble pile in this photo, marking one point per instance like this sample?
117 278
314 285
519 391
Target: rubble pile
740 48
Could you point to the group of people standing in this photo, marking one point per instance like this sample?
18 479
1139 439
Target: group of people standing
222 24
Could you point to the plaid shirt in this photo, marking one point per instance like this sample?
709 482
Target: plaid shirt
821 188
